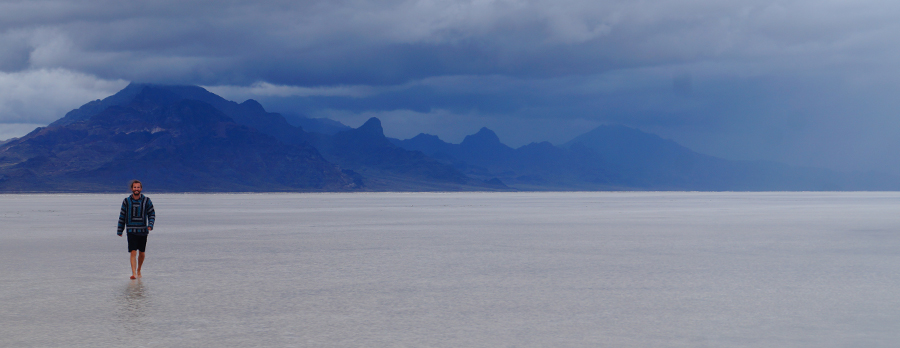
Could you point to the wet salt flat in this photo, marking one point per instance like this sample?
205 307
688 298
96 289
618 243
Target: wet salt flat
456 270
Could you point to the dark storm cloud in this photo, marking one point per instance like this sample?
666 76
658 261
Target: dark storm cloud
390 42
788 80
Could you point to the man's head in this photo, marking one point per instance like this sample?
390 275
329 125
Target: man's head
136 187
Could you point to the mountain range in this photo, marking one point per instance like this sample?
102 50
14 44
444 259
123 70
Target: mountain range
186 139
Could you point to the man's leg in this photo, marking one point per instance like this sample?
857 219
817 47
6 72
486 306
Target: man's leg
140 263
134 263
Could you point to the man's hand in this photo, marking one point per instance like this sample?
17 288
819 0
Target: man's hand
149 228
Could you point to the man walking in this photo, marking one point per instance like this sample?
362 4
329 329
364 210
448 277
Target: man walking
137 216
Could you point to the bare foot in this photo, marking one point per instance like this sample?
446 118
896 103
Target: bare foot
132 277
139 274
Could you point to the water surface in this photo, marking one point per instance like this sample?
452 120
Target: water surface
456 270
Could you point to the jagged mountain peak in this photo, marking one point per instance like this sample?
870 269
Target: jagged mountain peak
185 91
484 135
543 145
253 105
155 96
127 95
250 113
172 92
485 138
628 141
426 137
372 126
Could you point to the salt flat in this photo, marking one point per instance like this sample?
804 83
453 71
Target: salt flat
591 269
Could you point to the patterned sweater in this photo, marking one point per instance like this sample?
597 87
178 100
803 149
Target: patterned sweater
136 215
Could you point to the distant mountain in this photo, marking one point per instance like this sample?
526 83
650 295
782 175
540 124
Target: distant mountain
123 97
367 151
480 149
184 138
485 149
536 166
364 153
249 113
169 142
367 159
647 161
316 125
614 157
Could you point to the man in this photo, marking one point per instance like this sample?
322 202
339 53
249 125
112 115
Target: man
137 216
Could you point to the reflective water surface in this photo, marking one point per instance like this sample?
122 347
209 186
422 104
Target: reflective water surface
456 270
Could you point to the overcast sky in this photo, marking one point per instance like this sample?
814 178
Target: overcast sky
805 82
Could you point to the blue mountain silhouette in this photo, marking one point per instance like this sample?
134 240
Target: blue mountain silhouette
184 138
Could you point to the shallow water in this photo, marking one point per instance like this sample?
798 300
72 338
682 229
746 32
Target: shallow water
456 270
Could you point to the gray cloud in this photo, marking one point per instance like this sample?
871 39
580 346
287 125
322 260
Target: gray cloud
389 42
42 96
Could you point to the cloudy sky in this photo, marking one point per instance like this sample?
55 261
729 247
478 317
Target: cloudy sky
805 82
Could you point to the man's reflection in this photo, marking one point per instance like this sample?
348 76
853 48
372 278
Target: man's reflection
134 304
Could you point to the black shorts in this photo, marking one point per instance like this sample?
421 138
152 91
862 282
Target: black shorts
136 242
